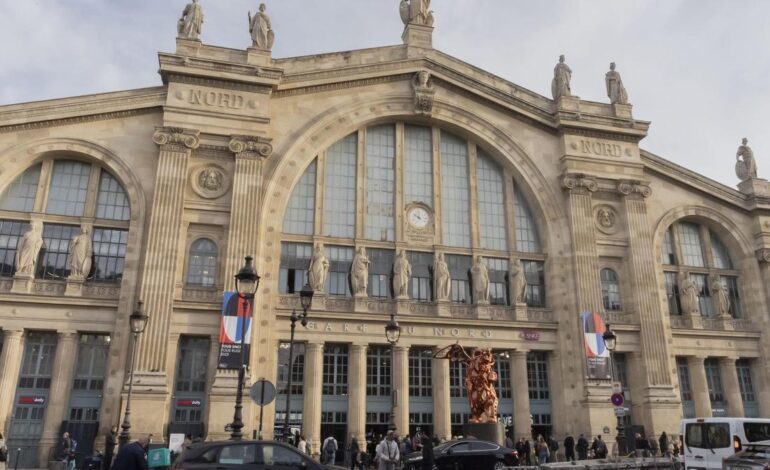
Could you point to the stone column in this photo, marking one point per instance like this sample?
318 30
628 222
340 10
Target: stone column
442 418
730 386
700 388
10 365
311 413
521 414
357 391
59 394
400 372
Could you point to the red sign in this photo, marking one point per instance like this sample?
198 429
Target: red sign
32 400
188 403
531 335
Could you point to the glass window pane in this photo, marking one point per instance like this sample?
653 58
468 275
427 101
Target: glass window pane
202 263
704 294
491 198
10 233
714 380
690 244
335 369
418 166
112 202
420 379
69 186
743 367
667 253
455 199
379 221
20 194
497 269
527 239
733 293
535 275
672 294
55 262
380 272
610 290
459 272
295 260
109 254
719 250
340 259
422 275
685 390
537 376
378 371
300 213
340 188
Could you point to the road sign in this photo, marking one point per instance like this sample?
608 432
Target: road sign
620 412
617 387
617 399
262 392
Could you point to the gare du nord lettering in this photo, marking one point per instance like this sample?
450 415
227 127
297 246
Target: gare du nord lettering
219 99
602 149
437 331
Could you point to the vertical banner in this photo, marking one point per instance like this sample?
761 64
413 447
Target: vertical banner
597 354
236 317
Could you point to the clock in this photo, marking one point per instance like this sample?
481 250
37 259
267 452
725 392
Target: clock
418 217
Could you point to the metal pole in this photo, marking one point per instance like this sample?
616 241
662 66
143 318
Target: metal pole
18 456
261 406
125 434
288 388
621 437
237 425
392 423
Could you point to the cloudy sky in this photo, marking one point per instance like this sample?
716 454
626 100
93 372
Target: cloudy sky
698 69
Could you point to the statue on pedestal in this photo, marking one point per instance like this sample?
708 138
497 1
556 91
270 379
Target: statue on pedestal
416 12
562 75
80 255
28 249
615 89
745 165
402 271
688 294
480 278
518 281
480 377
319 269
359 273
189 25
261 30
441 278
721 299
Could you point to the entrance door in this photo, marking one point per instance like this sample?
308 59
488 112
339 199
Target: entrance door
190 387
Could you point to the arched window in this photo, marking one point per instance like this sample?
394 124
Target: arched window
202 263
695 250
610 290
300 213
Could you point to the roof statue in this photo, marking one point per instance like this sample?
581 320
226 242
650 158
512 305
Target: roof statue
189 25
261 30
615 89
416 12
745 165
562 75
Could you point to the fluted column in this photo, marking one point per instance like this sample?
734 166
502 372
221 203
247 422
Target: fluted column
311 413
357 392
700 388
59 398
162 244
401 386
521 415
442 418
10 365
730 387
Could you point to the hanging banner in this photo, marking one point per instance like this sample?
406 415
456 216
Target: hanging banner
597 354
236 317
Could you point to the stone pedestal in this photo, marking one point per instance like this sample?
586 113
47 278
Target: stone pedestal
492 432
187 47
622 110
22 284
755 187
74 287
402 306
481 311
256 56
569 104
416 35
442 308
520 312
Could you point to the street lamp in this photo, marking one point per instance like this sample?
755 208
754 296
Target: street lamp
246 283
137 321
611 342
306 299
392 334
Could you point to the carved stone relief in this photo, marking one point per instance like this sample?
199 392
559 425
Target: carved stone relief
422 83
209 181
606 219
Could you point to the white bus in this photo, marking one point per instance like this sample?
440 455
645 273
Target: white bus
706 441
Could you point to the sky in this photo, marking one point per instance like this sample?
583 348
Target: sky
699 70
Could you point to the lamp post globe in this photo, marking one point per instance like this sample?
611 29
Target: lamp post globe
137 321
247 279
610 338
392 330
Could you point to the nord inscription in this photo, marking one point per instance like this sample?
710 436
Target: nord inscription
219 99
601 149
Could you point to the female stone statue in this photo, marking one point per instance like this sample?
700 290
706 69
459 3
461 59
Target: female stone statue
518 281
261 30
441 277
562 75
359 273
80 254
416 12
480 278
189 26
319 268
402 271
29 248
721 299
688 294
615 89
749 169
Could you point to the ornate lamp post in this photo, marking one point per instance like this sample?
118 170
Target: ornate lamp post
137 322
392 334
246 283
306 299
611 342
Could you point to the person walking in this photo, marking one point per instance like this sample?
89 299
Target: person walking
642 445
355 454
582 447
387 453
132 456
652 445
427 451
3 453
527 451
329 451
599 448
553 449
541 448
302 444
663 443
110 441
569 448
508 440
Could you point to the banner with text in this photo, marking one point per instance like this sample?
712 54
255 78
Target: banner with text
597 354
236 318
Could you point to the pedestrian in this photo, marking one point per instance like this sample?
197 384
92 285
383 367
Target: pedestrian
519 446
387 453
527 451
508 440
407 448
541 448
110 441
652 445
329 451
65 443
582 447
355 454
599 448
569 448
132 456
642 445
663 443
3 452
427 451
553 448
371 448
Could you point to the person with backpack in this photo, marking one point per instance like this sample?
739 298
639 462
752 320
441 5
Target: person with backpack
553 448
599 448
329 451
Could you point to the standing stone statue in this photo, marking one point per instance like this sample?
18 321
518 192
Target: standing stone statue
518 281
416 12
441 278
745 165
615 89
359 273
402 271
721 299
562 75
28 249
80 255
319 269
189 25
688 294
480 278
261 30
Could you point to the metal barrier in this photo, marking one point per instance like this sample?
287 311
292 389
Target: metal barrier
661 463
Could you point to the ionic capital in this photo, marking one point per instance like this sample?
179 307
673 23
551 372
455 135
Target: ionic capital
630 187
176 138
250 146
580 183
763 255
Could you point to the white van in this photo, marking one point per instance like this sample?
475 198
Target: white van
706 441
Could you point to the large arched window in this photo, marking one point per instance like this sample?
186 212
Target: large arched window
67 196
610 290
417 187
694 250
202 263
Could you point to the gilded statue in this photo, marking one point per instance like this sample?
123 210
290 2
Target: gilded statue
402 271
688 294
745 165
81 252
615 89
359 273
480 278
518 281
721 299
441 278
480 377
261 30
28 249
319 269
562 75
416 12
189 25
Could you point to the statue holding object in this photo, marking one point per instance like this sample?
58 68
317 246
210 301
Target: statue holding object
480 377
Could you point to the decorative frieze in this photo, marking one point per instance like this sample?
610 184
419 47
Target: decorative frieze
629 188
763 255
579 183
422 84
176 139
249 146
202 295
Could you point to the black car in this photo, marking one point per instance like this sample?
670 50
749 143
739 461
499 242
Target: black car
245 455
466 454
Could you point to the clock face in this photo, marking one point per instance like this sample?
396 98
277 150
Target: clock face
419 218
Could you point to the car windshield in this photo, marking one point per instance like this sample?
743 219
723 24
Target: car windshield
757 431
758 452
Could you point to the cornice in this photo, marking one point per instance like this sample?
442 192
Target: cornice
216 83
78 120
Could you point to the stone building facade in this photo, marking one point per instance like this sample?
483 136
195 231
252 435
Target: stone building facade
392 148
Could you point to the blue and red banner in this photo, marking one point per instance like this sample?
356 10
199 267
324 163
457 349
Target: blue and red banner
597 354
236 319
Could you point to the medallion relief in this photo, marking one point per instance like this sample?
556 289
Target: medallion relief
606 219
209 181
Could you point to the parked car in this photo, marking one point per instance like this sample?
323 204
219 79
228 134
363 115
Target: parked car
709 440
466 454
752 457
249 455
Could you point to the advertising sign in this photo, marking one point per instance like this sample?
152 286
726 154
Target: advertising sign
236 319
597 354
